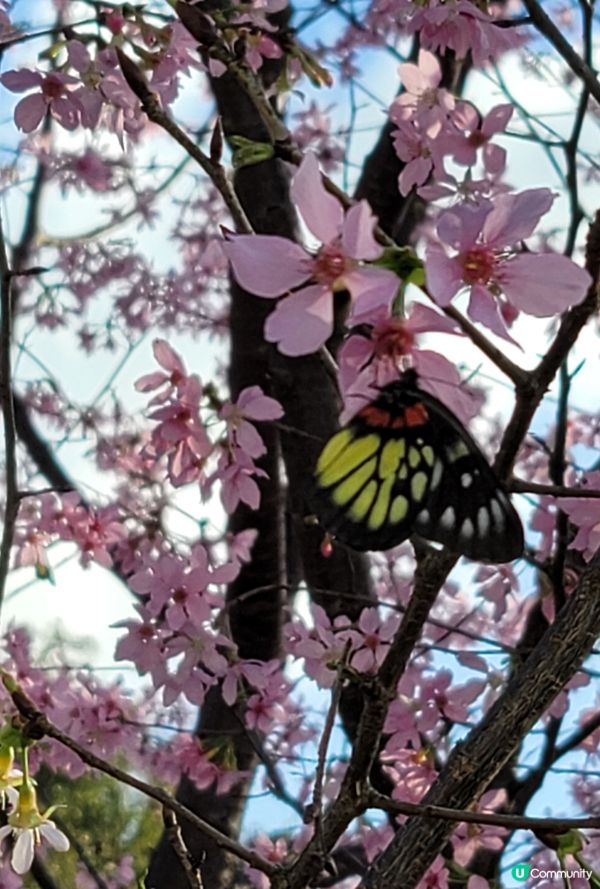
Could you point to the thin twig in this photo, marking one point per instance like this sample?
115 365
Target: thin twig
376 800
175 837
555 36
11 506
520 486
155 112
317 800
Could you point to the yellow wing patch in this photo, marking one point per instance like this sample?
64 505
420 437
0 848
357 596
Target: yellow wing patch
351 486
381 506
347 458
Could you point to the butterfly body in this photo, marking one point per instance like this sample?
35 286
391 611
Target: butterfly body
405 465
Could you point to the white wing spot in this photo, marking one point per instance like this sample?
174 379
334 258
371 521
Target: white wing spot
497 513
436 475
466 479
483 521
423 517
448 518
467 530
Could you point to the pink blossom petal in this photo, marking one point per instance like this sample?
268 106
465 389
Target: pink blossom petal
440 377
65 112
515 216
495 120
414 173
19 81
30 112
494 159
357 234
322 213
425 319
444 275
425 75
249 440
461 226
167 357
258 406
543 284
267 265
371 289
484 308
302 322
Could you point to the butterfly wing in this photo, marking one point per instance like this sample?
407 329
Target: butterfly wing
406 465
377 473
470 511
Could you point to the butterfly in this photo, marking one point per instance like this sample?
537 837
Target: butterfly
406 465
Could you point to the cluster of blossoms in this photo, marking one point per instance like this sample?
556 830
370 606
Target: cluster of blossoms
483 258
50 517
87 88
431 127
181 435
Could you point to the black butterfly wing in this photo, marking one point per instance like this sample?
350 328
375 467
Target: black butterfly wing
470 511
406 465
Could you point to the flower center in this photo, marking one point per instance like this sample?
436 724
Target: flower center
52 88
478 265
330 265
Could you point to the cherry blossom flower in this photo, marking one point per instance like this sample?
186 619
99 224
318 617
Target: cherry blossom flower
487 263
462 27
251 404
28 827
373 639
274 851
422 100
368 362
270 266
421 152
324 647
55 95
468 839
436 877
476 132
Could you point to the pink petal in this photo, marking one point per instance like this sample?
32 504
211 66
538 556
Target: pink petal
167 357
515 216
30 112
543 284
371 289
258 406
19 81
494 159
267 265
65 112
444 275
495 120
484 308
441 378
424 319
322 213
302 322
461 226
357 233
414 173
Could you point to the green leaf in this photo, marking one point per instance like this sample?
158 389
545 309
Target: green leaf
246 153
